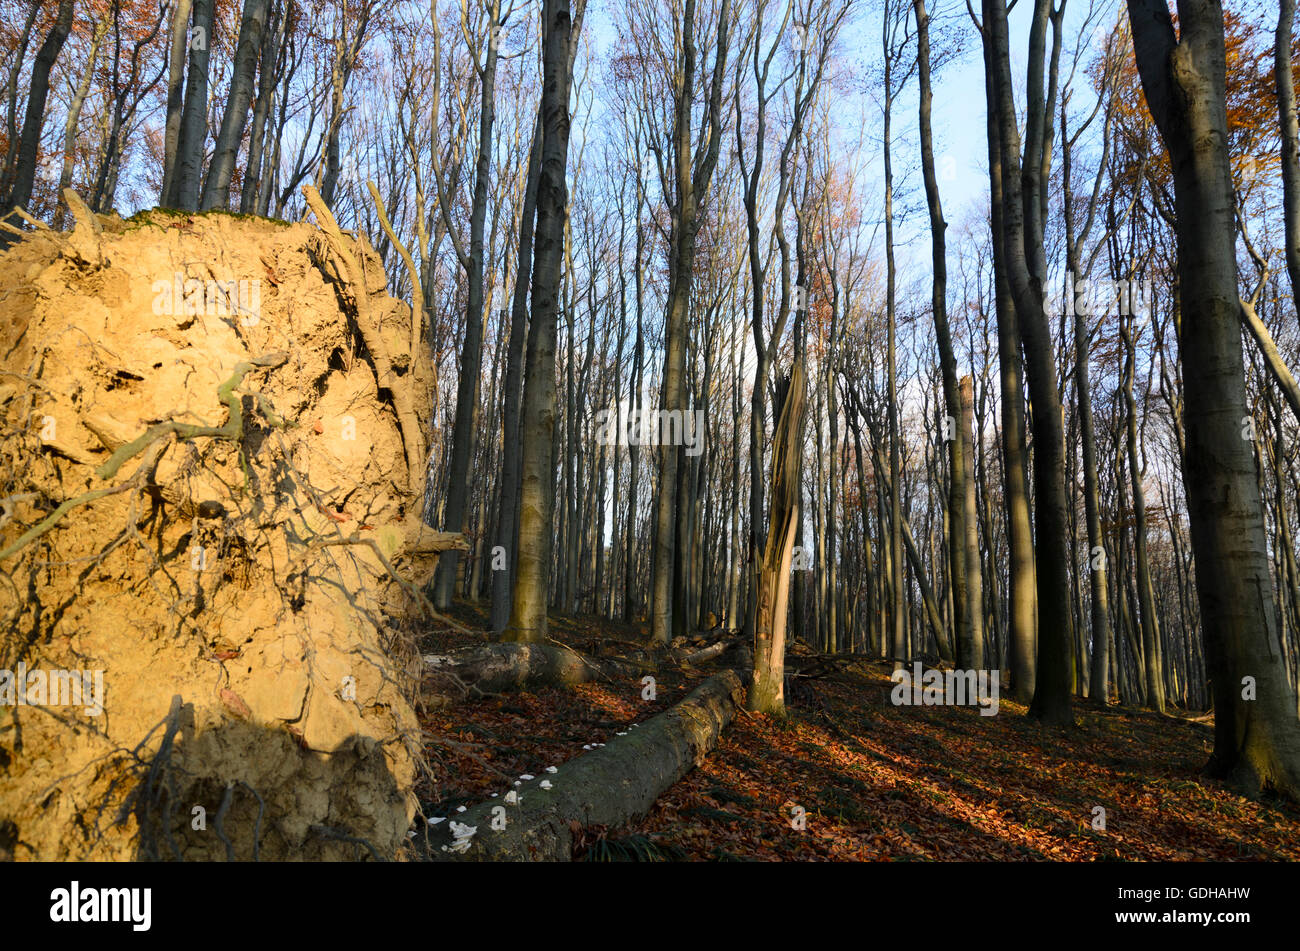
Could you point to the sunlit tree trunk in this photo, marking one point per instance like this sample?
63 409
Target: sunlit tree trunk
194 116
1146 601
175 94
1290 131
216 191
20 193
1257 735
537 422
1022 238
1022 603
507 518
767 691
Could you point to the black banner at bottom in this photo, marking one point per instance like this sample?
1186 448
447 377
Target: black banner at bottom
141 901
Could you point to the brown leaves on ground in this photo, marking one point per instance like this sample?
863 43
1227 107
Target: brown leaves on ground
884 783
479 748
878 782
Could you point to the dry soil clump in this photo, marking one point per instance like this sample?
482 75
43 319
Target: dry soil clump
207 519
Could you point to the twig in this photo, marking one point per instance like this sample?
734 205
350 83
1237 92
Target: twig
34 222
219 821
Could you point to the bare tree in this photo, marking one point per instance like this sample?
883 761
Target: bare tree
1256 733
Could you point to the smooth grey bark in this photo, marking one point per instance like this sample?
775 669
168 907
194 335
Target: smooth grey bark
194 117
1152 668
693 175
20 193
967 590
1022 238
507 519
175 94
969 535
1290 133
898 651
11 93
638 363
610 786
1022 603
1257 738
269 61
537 420
471 354
216 191
1075 235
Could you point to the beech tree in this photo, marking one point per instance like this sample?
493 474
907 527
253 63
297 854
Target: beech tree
1256 733
1000 463
537 424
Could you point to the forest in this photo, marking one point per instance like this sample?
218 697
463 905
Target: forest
649 430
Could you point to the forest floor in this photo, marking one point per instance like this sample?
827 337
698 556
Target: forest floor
871 781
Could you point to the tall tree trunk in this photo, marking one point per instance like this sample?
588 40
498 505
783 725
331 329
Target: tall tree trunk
638 362
969 536
175 94
692 178
767 692
1146 600
1256 733
74 117
1022 604
1022 238
216 191
11 94
1290 131
897 577
1101 634
20 194
471 354
1099 679
967 611
268 63
507 519
537 422
194 118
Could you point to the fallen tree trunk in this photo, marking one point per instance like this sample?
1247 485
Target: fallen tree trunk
1277 367
611 786
501 668
492 669
712 652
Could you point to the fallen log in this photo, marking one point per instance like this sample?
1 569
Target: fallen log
711 652
610 786
491 669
